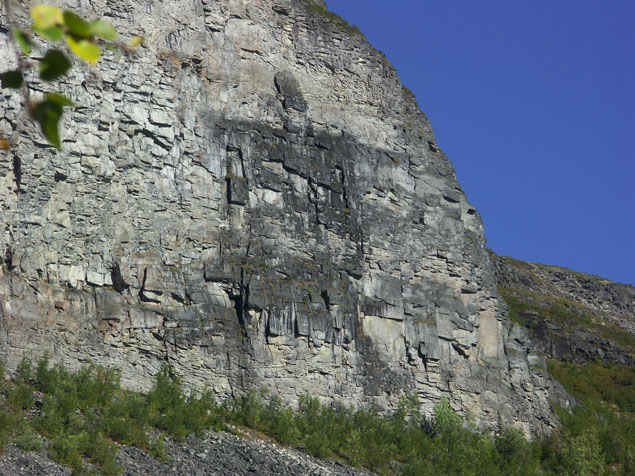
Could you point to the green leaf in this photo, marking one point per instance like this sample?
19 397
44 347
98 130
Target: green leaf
60 99
84 48
103 29
48 21
48 114
76 24
23 40
53 65
52 34
46 16
135 41
12 79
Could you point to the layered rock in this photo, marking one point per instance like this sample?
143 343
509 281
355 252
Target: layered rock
255 198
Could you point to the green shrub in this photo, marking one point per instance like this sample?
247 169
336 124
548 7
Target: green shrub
27 439
95 386
9 424
170 410
517 456
157 447
249 410
280 422
20 395
585 455
101 451
65 449
127 420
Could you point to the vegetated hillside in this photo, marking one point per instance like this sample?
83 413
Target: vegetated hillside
585 326
572 316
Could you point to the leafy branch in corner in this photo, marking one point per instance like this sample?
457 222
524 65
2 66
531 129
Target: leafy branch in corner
83 39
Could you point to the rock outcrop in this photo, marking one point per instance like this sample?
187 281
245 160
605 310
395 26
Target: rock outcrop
255 198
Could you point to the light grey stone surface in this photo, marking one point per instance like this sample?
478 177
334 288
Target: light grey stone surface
255 198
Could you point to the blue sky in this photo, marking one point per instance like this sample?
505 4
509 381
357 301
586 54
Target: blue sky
534 103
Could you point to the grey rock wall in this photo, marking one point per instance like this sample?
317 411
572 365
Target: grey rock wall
255 198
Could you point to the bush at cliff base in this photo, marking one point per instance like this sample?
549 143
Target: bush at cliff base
77 417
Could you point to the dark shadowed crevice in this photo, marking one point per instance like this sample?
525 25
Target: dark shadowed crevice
8 258
228 185
239 306
60 177
117 279
327 300
17 171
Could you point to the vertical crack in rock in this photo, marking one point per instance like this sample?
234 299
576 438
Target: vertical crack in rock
146 295
236 181
239 295
228 184
239 302
17 171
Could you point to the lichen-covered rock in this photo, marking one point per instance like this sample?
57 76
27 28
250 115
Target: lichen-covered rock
255 198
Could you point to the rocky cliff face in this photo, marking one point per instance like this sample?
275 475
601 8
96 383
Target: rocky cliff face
255 198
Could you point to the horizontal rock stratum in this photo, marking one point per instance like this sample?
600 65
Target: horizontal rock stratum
255 198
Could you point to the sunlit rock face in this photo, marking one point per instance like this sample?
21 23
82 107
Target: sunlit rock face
253 197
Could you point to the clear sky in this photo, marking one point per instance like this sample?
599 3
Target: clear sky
534 104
